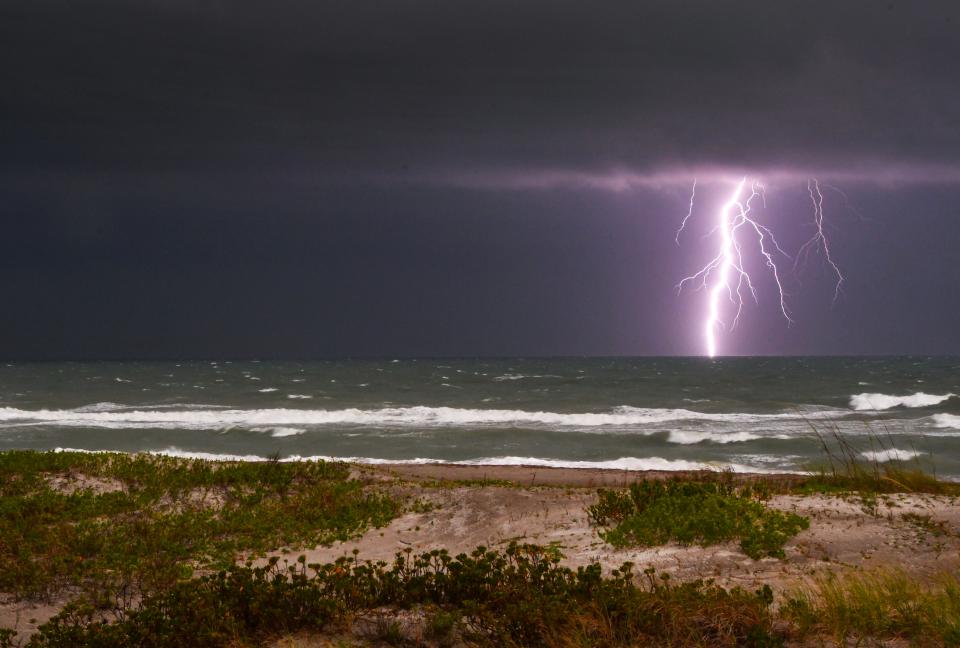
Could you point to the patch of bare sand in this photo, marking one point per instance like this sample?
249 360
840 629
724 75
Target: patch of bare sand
194 499
74 482
25 617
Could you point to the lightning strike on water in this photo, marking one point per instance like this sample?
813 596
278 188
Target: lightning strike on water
736 215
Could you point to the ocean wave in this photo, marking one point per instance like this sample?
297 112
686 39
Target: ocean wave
946 421
891 454
215 419
105 406
623 463
523 377
689 437
885 401
267 390
279 431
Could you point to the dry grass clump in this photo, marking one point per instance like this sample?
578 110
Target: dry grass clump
878 605
845 467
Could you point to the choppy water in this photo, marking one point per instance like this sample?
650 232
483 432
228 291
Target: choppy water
748 413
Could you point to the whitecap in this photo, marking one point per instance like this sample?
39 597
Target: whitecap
213 419
891 454
946 421
299 396
688 437
105 406
279 431
622 463
885 401
523 377
267 390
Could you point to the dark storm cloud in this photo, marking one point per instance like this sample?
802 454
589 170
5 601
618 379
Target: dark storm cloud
316 178
479 91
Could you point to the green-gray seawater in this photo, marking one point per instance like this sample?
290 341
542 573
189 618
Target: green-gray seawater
671 413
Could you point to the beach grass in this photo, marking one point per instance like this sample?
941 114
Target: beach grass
888 604
846 465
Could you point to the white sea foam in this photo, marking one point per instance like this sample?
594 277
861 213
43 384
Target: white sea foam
106 406
623 463
951 421
523 376
207 456
688 437
215 419
299 396
267 390
279 431
885 401
892 454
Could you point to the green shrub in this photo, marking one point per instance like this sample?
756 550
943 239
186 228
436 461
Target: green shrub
654 512
518 597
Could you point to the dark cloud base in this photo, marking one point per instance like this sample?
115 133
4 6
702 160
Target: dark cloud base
458 178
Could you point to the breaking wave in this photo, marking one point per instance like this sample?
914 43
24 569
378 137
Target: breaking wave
689 437
216 419
885 401
892 454
280 431
946 421
623 463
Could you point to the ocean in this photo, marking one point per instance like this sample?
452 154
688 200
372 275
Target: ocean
745 414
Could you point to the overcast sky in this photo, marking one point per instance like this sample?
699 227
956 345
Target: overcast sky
317 178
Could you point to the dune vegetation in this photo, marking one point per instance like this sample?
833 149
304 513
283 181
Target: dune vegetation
156 551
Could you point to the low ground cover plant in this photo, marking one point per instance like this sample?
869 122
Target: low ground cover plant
654 512
155 520
518 597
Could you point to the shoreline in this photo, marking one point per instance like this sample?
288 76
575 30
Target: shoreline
531 475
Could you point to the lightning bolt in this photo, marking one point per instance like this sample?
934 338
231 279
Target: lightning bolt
735 215
819 239
725 274
683 223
